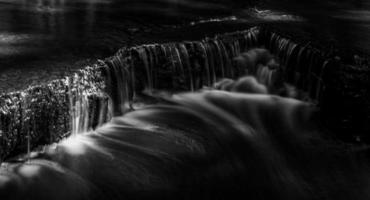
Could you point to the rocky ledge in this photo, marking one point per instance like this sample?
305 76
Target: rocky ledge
46 113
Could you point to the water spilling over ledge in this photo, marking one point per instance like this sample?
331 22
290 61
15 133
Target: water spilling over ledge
46 113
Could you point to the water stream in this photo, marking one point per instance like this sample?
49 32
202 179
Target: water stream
84 101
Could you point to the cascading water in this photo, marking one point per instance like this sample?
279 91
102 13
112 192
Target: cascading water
92 96
183 66
303 65
265 75
206 145
45 114
86 100
260 63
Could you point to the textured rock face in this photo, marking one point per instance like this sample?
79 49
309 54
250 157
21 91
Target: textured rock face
44 114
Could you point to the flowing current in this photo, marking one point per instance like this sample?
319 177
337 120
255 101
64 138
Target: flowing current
91 97
127 137
205 145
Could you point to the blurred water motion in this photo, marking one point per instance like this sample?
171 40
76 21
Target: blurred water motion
209 142
202 145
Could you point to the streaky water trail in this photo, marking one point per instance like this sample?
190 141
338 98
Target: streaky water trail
202 145
95 94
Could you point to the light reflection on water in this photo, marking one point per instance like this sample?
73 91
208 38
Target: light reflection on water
271 15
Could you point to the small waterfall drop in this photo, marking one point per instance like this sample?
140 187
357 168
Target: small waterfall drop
95 94
184 66
265 75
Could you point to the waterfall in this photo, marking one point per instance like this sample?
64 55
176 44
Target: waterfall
95 94
259 62
45 114
90 97
184 66
302 64
190 65
265 75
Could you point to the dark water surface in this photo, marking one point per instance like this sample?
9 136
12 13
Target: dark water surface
39 29
43 39
42 36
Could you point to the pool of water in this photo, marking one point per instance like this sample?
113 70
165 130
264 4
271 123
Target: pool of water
42 29
43 39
